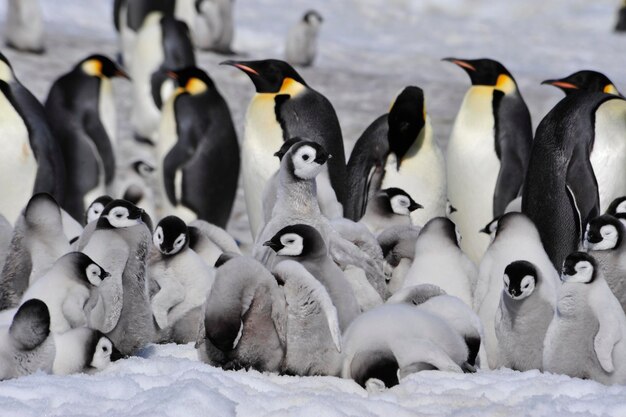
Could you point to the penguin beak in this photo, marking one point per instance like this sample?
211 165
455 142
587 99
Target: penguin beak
460 63
485 230
243 67
172 75
593 237
116 355
122 74
414 206
560 84
275 246
106 275
322 157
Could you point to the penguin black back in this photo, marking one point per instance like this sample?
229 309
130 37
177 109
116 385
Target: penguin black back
137 10
177 46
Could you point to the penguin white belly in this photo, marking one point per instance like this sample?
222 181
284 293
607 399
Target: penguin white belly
126 39
70 352
25 24
106 109
608 156
100 187
18 166
263 136
472 168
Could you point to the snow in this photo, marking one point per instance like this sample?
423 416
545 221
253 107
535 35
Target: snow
369 50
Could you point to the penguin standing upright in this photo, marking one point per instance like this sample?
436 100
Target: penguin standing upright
198 151
31 161
285 107
608 149
301 45
81 112
620 26
401 143
214 28
560 191
488 150
24 26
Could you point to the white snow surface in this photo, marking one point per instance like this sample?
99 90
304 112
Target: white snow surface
369 50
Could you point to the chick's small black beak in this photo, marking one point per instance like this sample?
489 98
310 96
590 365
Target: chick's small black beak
414 206
275 246
322 157
593 237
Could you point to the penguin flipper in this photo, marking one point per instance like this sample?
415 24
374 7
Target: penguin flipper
582 188
509 182
96 131
178 156
609 334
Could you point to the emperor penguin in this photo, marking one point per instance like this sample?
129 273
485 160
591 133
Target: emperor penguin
608 149
6 234
526 309
620 25
37 242
183 278
162 43
406 340
83 350
26 345
440 261
96 207
244 318
516 239
401 144
387 208
198 151
31 160
25 26
560 167
488 150
66 288
586 336
283 107
80 109
215 28
301 47
121 308
398 246
305 245
604 240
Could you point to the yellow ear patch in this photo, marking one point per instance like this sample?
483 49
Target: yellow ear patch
505 84
93 67
610 89
195 86
291 87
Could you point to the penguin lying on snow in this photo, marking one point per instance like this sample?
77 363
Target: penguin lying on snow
83 350
301 45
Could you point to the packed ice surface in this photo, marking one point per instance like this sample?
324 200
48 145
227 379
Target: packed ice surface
369 50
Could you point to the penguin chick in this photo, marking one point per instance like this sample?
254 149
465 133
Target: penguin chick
586 80
439 260
452 310
244 318
312 327
604 240
6 233
184 279
304 244
83 350
302 40
398 246
586 336
96 208
389 207
26 345
37 242
65 289
406 340
524 314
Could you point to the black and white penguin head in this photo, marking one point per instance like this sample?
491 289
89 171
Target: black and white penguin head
121 214
6 69
306 159
399 201
85 268
491 228
450 209
586 80
487 72
312 18
579 267
520 279
102 351
31 325
171 235
134 180
191 80
297 240
96 208
406 120
101 66
267 75
603 233
284 148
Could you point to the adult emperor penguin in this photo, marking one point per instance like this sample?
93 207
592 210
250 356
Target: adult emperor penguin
284 107
198 151
488 150
407 340
184 280
301 46
27 346
24 26
605 241
387 208
31 160
526 309
304 244
83 350
620 25
560 167
439 260
401 143
244 318
586 337
608 149
516 239
37 242
215 27
80 109
121 308
65 289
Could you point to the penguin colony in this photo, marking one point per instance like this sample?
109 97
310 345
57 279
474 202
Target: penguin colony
508 252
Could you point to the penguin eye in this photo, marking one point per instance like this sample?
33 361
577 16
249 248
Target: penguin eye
305 157
105 349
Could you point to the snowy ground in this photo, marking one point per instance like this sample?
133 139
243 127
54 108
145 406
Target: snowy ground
370 49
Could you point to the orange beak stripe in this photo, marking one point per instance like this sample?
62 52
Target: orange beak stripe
246 69
464 65
564 84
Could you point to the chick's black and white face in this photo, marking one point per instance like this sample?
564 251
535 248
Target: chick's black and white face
602 238
293 245
580 272
119 217
400 204
168 244
306 162
102 354
94 212
517 288
95 274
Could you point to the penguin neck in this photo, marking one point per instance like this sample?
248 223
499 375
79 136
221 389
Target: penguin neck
296 193
423 142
